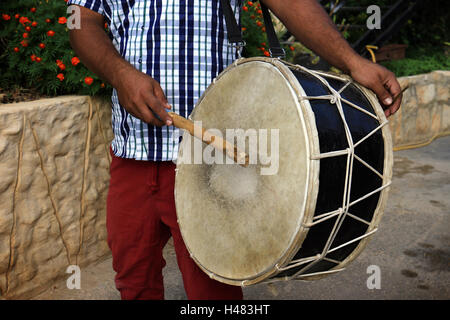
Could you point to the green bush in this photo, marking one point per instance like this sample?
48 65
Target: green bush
35 51
419 60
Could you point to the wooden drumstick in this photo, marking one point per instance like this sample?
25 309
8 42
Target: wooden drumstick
201 133
399 94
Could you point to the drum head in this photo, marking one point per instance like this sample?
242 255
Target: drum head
237 223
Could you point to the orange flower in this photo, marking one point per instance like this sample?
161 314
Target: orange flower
75 61
41 45
266 53
50 33
24 43
88 80
16 49
60 64
6 17
33 9
33 57
60 76
250 3
259 23
62 20
25 35
34 24
38 59
24 20
245 8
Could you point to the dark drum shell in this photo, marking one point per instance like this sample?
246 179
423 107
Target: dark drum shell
332 175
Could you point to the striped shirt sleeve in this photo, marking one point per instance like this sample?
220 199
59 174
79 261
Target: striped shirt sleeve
94 5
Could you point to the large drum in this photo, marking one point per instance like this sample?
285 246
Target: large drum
321 197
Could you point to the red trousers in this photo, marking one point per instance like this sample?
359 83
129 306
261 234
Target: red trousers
141 218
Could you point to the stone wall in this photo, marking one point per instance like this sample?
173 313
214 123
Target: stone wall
54 169
425 111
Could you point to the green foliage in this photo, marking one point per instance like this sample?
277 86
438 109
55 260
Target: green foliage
35 51
428 26
421 60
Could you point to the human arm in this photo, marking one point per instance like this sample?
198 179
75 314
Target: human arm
310 24
138 93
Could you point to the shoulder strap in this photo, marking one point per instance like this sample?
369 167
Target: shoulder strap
276 50
233 30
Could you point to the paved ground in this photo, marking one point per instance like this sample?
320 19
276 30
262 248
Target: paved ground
411 248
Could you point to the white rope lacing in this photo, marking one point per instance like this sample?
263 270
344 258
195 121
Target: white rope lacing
341 213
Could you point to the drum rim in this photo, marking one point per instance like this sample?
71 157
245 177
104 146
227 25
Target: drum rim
306 116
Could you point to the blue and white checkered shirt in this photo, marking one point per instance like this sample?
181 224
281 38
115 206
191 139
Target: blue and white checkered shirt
182 44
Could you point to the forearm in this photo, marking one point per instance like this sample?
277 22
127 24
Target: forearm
311 25
96 51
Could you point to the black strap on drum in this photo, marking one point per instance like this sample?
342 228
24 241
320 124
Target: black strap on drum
235 35
276 50
233 30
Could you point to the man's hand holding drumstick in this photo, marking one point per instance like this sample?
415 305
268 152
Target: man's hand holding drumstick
138 93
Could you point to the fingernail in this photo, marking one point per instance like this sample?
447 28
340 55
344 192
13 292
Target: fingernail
387 101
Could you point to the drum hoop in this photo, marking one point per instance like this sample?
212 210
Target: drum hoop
310 131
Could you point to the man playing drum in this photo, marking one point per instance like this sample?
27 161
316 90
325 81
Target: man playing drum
163 55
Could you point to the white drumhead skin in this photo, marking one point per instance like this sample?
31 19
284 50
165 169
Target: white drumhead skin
236 223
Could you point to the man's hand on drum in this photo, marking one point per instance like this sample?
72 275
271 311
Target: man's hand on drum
310 24
382 81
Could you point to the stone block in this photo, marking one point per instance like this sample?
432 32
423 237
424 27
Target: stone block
54 163
424 112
